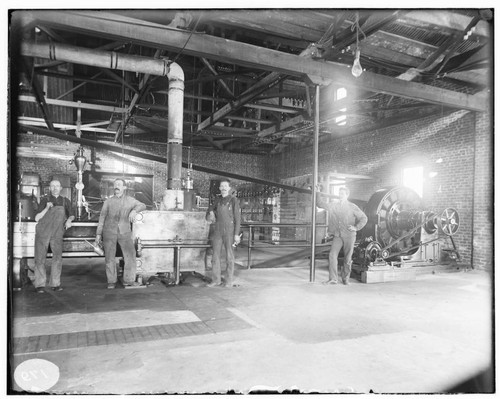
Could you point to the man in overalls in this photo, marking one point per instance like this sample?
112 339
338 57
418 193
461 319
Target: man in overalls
56 215
117 214
224 213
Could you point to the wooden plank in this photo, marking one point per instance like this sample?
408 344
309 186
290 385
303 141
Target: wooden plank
75 104
384 276
113 26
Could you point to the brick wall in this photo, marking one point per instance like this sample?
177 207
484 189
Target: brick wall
247 165
462 140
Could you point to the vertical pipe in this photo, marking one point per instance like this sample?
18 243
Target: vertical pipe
79 162
177 264
473 195
175 125
249 246
314 184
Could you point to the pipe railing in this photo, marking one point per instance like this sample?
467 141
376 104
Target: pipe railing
250 226
176 244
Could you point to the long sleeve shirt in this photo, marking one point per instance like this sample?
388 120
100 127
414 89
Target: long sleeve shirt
227 215
343 215
115 212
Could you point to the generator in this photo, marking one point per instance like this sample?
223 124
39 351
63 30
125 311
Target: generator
400 234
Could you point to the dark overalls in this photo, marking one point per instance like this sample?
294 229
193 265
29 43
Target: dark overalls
227 224
50 231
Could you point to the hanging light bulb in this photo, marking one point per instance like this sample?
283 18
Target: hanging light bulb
357 70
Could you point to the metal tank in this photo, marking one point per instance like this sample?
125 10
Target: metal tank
170 242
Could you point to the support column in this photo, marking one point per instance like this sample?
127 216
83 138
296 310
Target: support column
314 184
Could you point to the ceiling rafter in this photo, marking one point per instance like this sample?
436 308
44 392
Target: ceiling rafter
226 55
244 54
138 95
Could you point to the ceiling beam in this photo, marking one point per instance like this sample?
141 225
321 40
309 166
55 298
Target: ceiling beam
26 121
279 24
154 35
348 37
219 79
27 65
444 20
74 104
269 81
138 95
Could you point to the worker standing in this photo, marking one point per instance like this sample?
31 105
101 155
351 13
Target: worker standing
55 216
117 215
224 213
344 220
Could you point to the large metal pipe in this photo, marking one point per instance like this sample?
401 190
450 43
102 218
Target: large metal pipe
96 58
113 60
175 125
173 197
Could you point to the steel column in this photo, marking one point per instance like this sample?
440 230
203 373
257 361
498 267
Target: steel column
315 183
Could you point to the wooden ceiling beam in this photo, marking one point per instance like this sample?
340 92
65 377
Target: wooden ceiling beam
27 65
443 19
280 23
153 35
74 104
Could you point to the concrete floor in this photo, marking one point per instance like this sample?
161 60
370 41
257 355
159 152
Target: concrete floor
276 332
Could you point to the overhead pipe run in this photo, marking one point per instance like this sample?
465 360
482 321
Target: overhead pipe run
96 58
173 196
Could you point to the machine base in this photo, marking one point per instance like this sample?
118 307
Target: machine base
131 286
402 274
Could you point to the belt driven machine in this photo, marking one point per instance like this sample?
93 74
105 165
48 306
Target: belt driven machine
400 234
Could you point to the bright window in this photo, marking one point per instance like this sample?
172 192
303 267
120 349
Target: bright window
340 94
414 178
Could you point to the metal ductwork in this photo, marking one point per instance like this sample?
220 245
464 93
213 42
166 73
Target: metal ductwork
175 122
173 198
96 58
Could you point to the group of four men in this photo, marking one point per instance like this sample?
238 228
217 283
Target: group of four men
119 211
